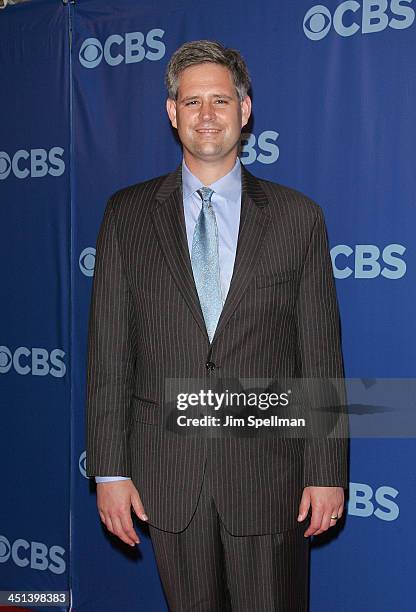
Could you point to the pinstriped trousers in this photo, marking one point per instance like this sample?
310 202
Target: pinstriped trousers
206 569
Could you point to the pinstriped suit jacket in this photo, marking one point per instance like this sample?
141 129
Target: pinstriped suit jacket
280 319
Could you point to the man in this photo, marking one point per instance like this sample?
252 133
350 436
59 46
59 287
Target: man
210 273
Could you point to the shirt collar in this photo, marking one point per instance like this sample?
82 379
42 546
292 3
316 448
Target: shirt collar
228 186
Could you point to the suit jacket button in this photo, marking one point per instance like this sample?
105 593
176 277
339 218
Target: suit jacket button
210 366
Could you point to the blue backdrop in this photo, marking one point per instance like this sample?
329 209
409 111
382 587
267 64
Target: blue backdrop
334 91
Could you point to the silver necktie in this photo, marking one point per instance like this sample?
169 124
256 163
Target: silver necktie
205 262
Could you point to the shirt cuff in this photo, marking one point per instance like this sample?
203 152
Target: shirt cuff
110 478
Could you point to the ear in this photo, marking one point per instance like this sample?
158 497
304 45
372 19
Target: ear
171 110
245 110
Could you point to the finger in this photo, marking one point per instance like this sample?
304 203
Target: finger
119 531
325 523
304 506
316 521
337 513
138 508
127 525
334 521
109 523
340 511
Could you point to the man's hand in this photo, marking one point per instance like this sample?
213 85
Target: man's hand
325 502
114 501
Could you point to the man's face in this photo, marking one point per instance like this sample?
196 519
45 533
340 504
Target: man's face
208 113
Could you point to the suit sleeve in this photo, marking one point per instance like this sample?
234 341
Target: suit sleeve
321 366
110 358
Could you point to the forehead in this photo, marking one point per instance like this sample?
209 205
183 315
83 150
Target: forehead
206 77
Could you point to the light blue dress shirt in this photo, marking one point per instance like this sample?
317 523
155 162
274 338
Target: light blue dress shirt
226 202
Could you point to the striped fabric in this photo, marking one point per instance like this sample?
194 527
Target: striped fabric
206 568
280 320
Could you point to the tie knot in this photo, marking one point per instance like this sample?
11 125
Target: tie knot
205 194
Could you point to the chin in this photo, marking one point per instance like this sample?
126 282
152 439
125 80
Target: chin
208 151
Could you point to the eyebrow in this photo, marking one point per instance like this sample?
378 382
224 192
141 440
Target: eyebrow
188 98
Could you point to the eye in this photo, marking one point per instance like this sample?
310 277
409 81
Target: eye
317 22
191 103
91 53
221 101
6 359
87 261
5 165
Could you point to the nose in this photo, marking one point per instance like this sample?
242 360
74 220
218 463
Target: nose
207 110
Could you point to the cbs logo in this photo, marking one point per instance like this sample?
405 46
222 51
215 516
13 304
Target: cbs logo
365 502
347 21
35 163
82 464
367 261
262 149
131 48
86 261
36 555
35 361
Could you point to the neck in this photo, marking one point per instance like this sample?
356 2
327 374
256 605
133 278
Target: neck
209 172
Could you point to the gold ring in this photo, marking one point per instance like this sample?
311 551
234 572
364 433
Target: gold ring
334 518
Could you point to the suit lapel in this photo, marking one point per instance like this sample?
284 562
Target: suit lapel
254 221
169 223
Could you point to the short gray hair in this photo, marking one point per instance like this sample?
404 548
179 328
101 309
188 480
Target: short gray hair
207 51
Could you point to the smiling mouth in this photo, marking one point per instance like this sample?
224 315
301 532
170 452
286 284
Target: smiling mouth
208 131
